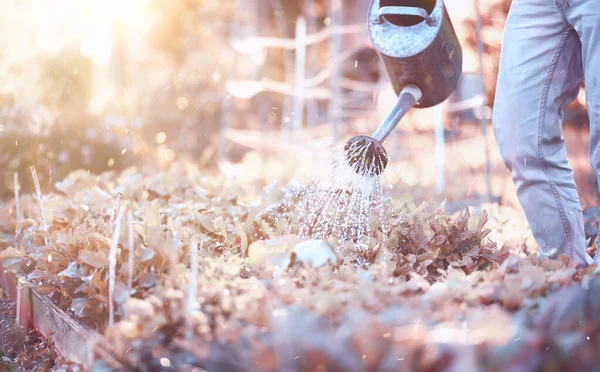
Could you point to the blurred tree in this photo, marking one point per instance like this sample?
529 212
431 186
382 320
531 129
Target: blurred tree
65 85
28 136
185 103
99 91
44 106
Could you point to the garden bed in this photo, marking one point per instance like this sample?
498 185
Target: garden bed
37 312
430 291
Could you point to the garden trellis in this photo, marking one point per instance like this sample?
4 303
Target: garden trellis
302 88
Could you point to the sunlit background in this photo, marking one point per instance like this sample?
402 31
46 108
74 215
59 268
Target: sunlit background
248 90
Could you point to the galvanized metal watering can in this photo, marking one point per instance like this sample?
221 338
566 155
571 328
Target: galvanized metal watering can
422 57
416 43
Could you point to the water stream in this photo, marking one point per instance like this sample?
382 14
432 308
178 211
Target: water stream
338 201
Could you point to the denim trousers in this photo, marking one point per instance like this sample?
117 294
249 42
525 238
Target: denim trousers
549 47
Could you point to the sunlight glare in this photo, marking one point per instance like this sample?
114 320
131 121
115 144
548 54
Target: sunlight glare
98 46
119 10
88 23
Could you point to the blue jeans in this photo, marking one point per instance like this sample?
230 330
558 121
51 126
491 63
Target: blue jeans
549 47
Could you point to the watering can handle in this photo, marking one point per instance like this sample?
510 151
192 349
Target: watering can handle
406 11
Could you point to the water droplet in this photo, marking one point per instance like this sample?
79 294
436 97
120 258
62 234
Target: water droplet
161 137
182 103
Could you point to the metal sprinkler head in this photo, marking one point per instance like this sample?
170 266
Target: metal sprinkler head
366 156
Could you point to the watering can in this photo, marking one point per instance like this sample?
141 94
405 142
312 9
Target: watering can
422 57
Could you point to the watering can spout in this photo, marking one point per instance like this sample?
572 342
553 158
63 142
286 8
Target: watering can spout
409 96
366 155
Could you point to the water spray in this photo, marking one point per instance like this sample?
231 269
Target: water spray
422 57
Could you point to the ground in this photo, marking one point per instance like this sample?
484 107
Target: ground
21 350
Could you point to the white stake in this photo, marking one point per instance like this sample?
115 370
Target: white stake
300 72
193 285
173 261
112 266
38 192
17 187
116 209
335 115
482 119
18 303
130 238
311 53
439 146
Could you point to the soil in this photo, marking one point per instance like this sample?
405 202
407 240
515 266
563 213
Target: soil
22 350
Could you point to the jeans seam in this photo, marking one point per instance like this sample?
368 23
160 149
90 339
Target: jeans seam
595 259
542 118
561 9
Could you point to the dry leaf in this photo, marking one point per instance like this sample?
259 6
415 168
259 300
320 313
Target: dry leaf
96 259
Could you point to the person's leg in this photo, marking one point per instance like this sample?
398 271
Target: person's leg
540 72
584 16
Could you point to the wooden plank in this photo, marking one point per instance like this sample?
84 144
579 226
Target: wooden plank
71 340
19 292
